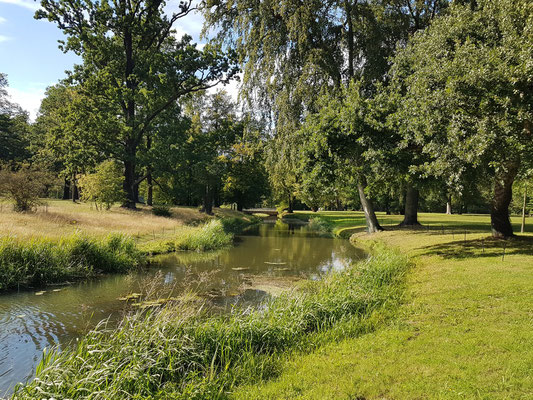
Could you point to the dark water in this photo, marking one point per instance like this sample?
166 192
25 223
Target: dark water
267 253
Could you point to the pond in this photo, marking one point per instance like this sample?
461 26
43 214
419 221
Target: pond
266 260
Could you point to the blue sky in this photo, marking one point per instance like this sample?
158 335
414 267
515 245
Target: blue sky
30 57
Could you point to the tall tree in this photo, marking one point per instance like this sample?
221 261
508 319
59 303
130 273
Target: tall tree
295 50
469 101
133 66
14 127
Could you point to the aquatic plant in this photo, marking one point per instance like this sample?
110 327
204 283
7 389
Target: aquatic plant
210 236
37 262
182 352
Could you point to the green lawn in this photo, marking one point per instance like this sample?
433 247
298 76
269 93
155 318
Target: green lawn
465 330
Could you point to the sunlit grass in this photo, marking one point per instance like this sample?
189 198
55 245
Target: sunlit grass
464 331
62 218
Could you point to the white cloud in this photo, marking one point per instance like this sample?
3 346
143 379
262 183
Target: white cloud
232 88
2 20
29 4
29 100
4 38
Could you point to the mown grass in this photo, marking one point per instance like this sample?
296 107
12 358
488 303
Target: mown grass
346 223
36 262
464 331
182 353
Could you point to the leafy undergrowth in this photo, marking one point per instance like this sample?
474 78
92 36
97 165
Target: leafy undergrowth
465 331
182 353
37 262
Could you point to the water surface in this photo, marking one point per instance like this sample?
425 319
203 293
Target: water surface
267 252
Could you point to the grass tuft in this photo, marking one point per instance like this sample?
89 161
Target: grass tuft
37 262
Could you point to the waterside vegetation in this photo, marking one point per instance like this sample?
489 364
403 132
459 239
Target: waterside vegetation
79 249
462 332
181 352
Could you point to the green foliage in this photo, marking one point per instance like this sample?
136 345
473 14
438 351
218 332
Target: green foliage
475 61
211 236
182 354
246 181
161 211
104 186
131 72
66 127
320 225
14 128
24 185
38 262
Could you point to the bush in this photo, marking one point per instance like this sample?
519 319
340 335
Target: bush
210 236
23 185
104 187
320 225
161 211
181 353
39 262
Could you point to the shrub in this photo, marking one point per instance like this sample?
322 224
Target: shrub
320 225
23 185
210 236
103 187
161 211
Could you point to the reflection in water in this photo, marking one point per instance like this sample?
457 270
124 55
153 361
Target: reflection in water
30 323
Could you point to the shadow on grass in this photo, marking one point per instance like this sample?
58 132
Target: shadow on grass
482 248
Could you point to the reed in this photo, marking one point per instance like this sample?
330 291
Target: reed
37 262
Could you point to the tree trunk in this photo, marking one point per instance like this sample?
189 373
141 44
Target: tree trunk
291 205
208 200
75 193
150 194
129 114
136 189
503 194
66 189
239 206
449 206
129 184
410 217
523 227
372 223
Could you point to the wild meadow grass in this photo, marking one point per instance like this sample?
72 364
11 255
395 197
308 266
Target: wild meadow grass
183 352
37 262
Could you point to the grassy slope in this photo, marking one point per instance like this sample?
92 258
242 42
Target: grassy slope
465 331
63 218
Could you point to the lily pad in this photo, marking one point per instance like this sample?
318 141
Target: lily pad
131 296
